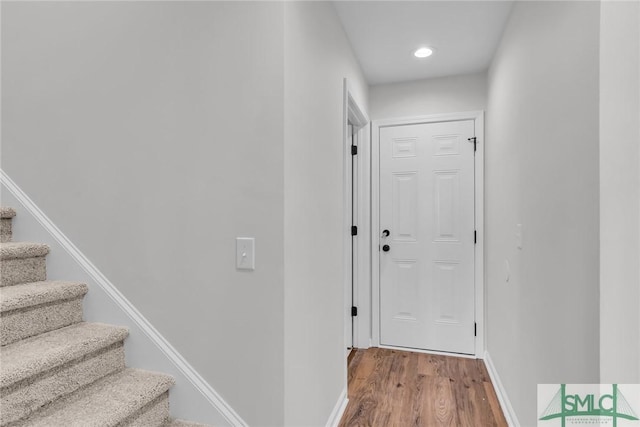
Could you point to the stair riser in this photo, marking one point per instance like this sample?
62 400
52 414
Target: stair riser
154 414
19 324
22 270
5 230
19 400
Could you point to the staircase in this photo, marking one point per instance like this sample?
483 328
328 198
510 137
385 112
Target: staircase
55 369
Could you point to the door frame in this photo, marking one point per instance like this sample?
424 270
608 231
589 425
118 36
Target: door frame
478 118
357 290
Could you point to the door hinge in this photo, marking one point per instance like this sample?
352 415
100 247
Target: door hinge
475 329
354 311
354 230
354 150
475 237
474 140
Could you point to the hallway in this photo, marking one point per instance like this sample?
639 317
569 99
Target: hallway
143 142
399 388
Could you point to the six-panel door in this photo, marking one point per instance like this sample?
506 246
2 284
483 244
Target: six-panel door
427 204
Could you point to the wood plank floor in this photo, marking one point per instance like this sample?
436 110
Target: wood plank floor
391 388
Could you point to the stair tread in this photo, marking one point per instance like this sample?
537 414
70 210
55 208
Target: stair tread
107 402
26 358
36 293
7 212
13 250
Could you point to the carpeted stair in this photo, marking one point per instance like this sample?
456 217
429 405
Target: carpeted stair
55 369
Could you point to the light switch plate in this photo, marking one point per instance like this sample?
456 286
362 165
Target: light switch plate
245 253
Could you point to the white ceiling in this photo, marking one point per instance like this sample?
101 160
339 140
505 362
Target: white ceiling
384 35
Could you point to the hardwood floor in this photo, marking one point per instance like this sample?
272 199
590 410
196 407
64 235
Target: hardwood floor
391 388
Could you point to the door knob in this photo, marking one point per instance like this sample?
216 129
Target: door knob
386 248
385 233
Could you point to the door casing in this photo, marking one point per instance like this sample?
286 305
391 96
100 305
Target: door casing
478 118
356 282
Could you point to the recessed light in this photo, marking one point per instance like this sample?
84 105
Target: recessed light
423 52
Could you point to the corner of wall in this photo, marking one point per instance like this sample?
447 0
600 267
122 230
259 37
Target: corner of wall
501 392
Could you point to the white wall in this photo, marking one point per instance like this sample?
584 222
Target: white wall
317 58
619 192
431 96
542 172
152 138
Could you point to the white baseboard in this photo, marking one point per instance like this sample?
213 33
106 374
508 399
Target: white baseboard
338 410
188 381
505 404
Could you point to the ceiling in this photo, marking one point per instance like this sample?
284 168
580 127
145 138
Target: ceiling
384 35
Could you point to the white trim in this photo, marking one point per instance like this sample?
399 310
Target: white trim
432 118
479 248
362 285
346 219
354 114
357 116
136 317
439 353
478 118
503 399
375 241
338 410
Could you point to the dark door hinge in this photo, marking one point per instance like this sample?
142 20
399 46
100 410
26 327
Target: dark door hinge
354 230
475 142
354 311
475 329
354 150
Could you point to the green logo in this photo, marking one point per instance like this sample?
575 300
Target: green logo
588 406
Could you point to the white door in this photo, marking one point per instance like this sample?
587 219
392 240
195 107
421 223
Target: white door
427 261
352 208
354 242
